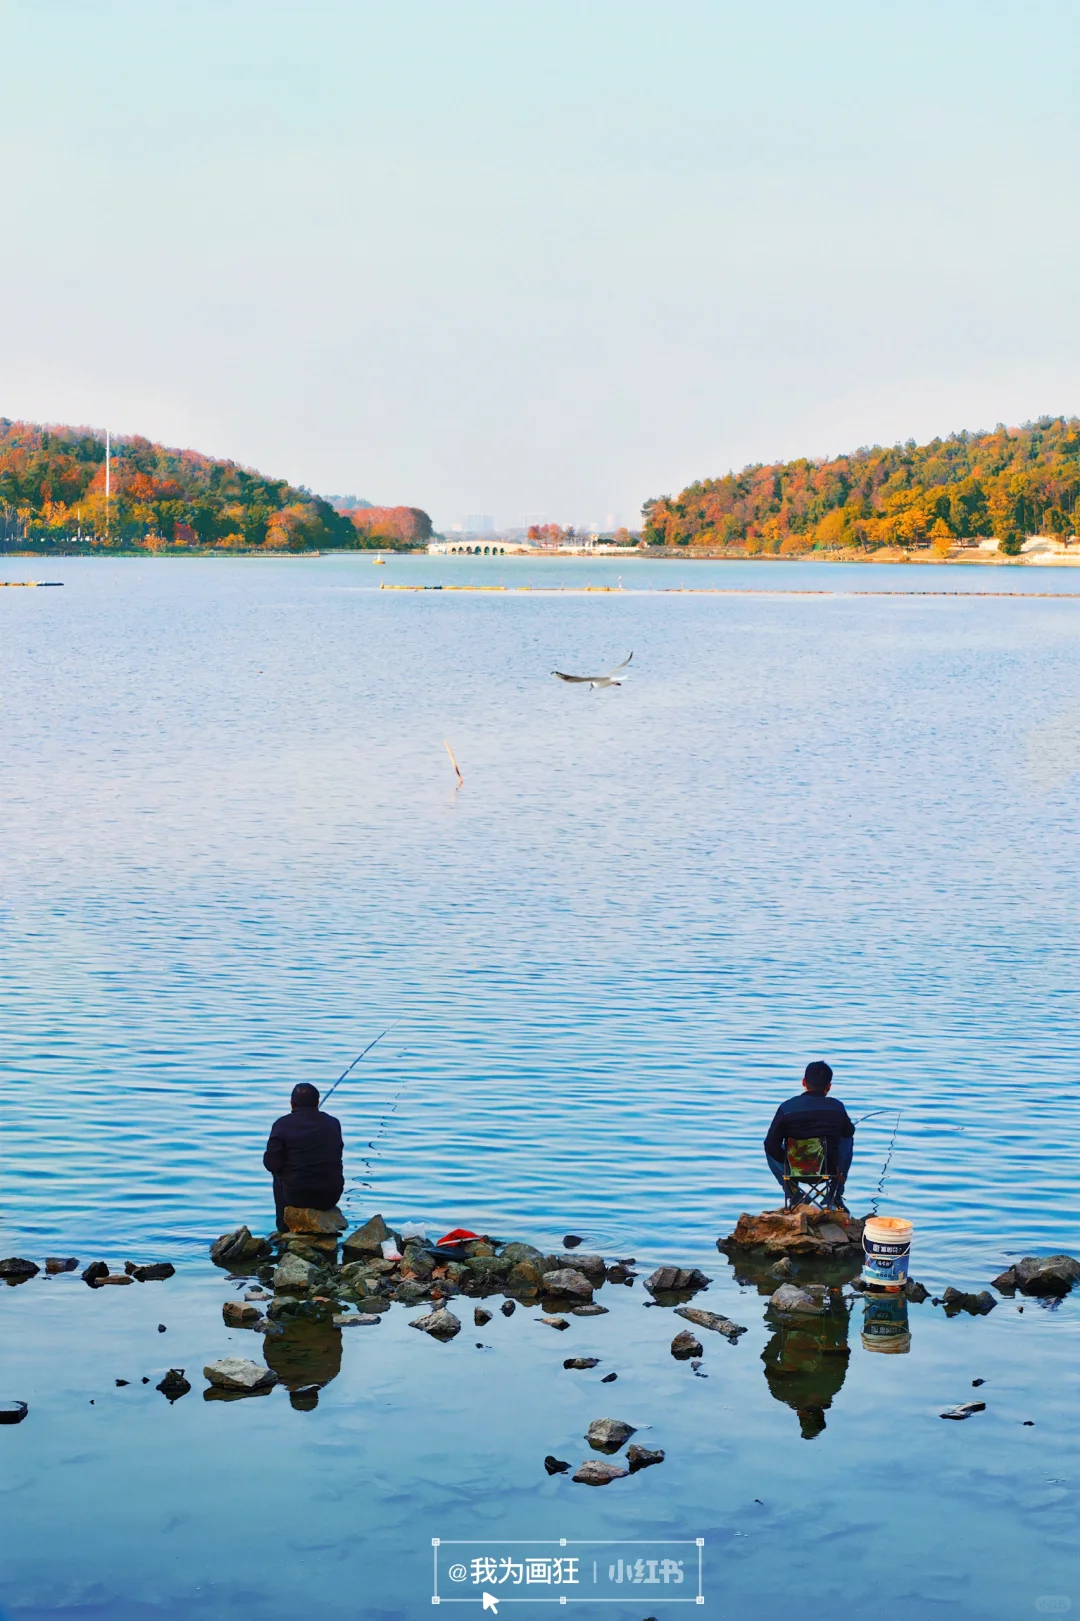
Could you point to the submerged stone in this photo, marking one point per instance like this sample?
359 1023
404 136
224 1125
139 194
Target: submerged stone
642 1458
965 1409
554 1322
151 1271
685 1345
955 1300
441 1324
480 1317
1040 1275
710 1319
237 1373
595 1473
56 1263
582 1362
676 1280
555 1466
591 1310
238 1248
15 1268
174 1385
238 1314
809 1301
609 1434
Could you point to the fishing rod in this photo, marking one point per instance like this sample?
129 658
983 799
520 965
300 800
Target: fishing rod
888 1161
357 1059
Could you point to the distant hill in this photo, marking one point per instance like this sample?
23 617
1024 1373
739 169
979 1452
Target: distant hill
52 495
1006 484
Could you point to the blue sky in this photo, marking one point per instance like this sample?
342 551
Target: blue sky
548 259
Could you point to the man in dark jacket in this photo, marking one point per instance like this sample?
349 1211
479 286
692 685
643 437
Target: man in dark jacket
813 1113
303 1155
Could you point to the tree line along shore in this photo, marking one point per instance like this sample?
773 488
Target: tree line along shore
63 490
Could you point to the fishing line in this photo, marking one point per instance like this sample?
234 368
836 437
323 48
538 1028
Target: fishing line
888 1161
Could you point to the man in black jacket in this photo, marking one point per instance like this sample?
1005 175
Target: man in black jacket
303 1155
813 1113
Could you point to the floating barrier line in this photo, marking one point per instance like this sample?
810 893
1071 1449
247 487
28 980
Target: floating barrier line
694 591
30 582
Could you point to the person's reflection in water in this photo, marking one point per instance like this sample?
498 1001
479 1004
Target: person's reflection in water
305 1358
806 1361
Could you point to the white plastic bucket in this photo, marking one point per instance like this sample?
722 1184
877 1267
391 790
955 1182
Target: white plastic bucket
886 1251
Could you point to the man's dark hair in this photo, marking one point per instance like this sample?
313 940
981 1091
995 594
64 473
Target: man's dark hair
817 1077
306 1096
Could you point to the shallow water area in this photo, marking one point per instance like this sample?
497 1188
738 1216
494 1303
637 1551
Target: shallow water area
823 825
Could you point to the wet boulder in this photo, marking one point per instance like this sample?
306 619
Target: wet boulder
293 1273
174 1385
582 1362
965 1409
237 1373
95 1273
685 1345
595 1473
956 1300
710 1319
239 1314
440 1324
515 1253
58 1263
667 1280
567 1283
524 1277
916 1292
1046 1275
481 1317
642 1457
150 1272
14 1269
810 1300
368 1239
805 1231
304 1219
609 1434
592 1266
238 1248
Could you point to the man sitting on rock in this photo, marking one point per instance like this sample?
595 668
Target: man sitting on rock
814 1114
303 1155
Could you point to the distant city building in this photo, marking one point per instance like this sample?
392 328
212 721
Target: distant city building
479 523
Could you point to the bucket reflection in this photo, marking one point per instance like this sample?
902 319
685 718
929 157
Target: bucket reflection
885 1324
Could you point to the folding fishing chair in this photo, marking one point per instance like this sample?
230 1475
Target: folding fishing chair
807 1178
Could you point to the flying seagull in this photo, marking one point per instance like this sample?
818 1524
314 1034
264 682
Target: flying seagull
612 679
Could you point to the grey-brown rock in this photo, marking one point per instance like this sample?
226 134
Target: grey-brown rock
916 1292
238 1248
710 1319
57 1263
480 1317
524 1276
238 1314
514 1253
595 1473
356 1319
582 1362
441 1324
685 1345
1046 1275
237 1373
15 1267
293 1274
94 1273
811 1300
304 1219
675 1280
174 1385
508 1308
591 1266
590 1310
642 1457
151 1272
119 1278
956 1300
567 1283
609 1434
783 1268
368 1239
554 1322
965 1409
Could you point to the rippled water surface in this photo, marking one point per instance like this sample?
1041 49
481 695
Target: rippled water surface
837 824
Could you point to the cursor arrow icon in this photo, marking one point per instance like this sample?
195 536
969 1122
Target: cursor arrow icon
491 1602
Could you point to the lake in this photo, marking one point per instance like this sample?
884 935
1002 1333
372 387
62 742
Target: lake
836 825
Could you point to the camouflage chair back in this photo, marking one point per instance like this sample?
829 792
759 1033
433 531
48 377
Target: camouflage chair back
806 1173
